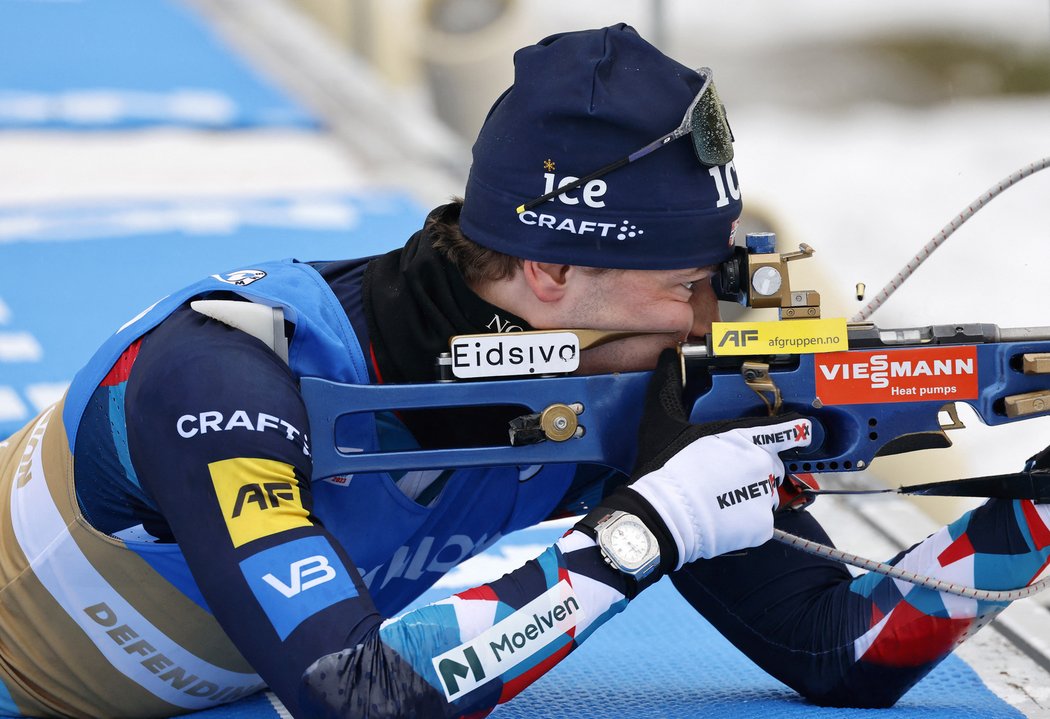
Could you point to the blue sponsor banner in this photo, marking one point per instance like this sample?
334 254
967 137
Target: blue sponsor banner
105 64
294 581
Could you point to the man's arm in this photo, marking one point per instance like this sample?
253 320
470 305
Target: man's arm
483 646
219 438
478 648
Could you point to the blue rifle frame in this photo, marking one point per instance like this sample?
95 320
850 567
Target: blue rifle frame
846 437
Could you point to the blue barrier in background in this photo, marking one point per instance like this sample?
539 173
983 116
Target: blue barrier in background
71 275
111 64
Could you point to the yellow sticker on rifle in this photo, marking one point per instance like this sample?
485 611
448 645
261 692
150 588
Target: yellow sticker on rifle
783 337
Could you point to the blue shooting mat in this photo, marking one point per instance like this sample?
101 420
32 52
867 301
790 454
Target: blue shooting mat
71 275
660 659
111 64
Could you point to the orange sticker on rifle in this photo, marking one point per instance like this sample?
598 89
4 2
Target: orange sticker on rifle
935 374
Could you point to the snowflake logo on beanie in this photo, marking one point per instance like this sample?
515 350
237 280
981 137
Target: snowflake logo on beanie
548 165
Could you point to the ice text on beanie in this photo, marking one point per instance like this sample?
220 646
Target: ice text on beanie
592 191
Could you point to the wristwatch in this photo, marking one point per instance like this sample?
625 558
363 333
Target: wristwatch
625 542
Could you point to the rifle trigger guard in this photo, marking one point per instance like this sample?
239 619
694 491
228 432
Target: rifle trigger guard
756 376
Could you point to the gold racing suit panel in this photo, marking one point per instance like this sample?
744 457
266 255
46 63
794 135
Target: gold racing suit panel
88 628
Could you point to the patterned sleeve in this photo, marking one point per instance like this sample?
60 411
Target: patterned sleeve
218 433
463 655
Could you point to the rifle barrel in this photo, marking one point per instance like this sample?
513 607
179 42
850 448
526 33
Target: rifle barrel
1024 334
1033 485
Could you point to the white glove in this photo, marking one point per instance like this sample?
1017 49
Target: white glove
703 490
718 492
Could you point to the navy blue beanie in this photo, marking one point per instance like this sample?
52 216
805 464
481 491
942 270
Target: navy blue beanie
579 101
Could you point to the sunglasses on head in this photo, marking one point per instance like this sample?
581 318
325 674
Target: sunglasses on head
705 121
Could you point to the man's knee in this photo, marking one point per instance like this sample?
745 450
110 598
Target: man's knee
864 686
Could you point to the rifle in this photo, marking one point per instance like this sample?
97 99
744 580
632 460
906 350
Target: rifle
870 391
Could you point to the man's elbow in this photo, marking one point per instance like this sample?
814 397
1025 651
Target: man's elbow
369 680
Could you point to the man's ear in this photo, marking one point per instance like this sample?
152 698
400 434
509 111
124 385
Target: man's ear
547 280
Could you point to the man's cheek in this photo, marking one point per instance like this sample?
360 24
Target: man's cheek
646 353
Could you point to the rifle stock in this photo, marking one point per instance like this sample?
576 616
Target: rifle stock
885 395
879 392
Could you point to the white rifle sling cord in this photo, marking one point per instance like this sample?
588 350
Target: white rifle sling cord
881 567
988 595
944 234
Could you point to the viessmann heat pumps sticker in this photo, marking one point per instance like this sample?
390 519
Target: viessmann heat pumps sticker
902 375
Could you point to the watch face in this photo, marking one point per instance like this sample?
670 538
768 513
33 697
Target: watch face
629 541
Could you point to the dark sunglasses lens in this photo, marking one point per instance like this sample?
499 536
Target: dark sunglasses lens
709 128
